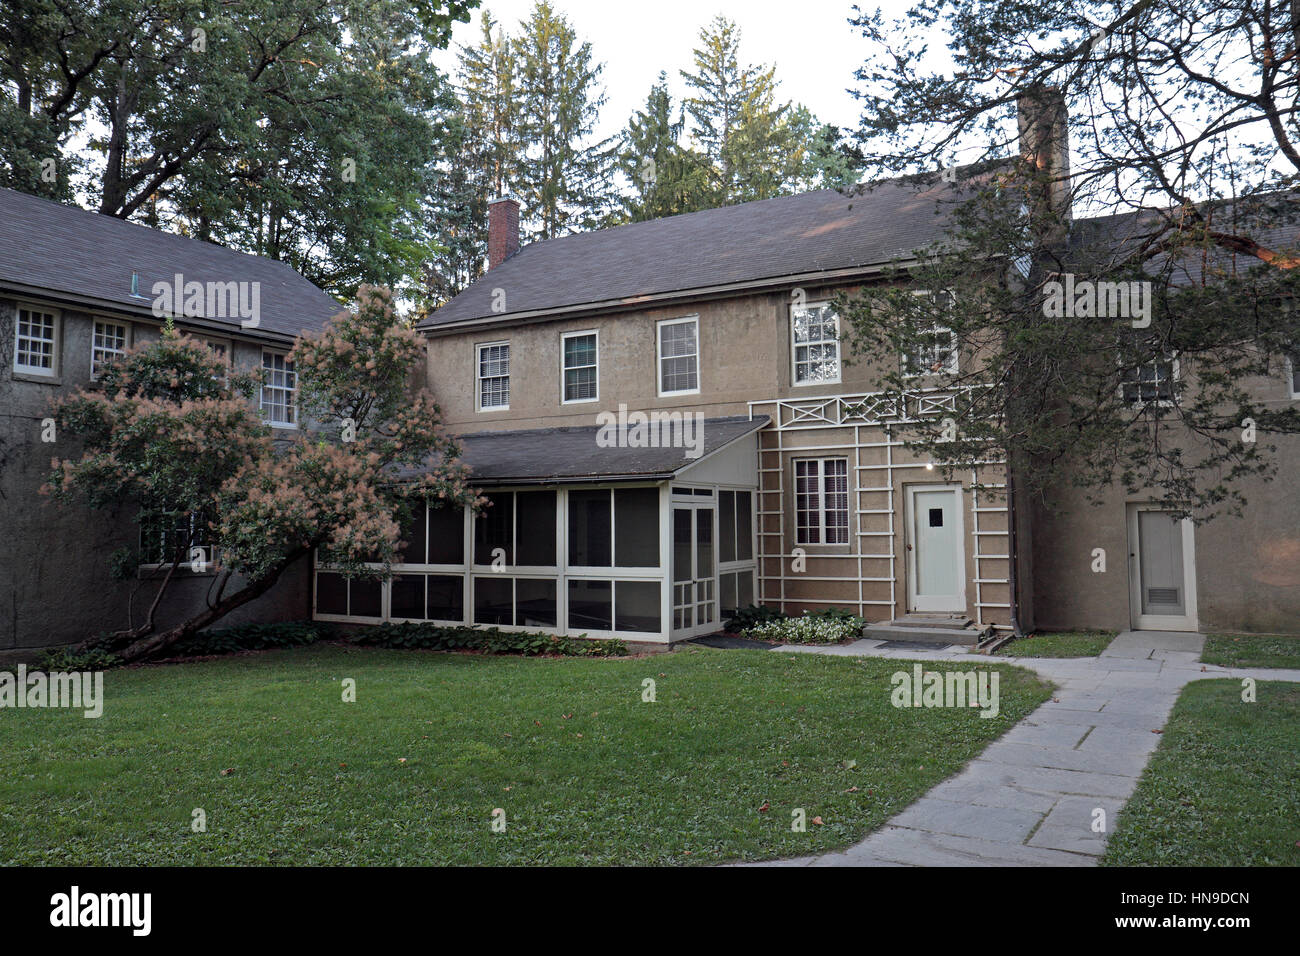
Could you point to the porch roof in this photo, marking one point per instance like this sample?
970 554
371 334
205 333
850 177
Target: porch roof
572 455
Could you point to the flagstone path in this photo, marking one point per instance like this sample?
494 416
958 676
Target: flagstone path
1030 799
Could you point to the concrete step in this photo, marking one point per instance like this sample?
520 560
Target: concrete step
939 636
932 620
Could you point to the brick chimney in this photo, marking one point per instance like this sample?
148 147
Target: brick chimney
503 230
1045 145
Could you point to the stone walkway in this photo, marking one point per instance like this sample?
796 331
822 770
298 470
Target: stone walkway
1031 797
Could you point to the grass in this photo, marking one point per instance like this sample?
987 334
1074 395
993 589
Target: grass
586 772
1058 644
1220 790
1252 650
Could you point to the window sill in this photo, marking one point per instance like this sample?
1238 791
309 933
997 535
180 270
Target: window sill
154 572
37 378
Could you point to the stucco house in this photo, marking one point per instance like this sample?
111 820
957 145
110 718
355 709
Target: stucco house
665 420
76 290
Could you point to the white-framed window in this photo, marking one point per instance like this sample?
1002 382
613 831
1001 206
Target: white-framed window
279 390
1293 373
580 367
679 356
36 341
162 543
821 500
220 348
815 344
1151 383
108 342
936 350
493 376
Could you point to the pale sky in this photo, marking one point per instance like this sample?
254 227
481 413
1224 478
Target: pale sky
814 48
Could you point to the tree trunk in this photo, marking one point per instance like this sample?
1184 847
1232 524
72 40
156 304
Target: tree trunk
152 644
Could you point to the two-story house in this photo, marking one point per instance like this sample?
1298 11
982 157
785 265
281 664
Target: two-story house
669 427
76 290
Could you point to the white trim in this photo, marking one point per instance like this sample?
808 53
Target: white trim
479 378
56 342
794 346
659 356
291 390
565 336
95 322
914 601
1188 620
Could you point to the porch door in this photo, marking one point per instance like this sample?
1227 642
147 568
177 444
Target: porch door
695 603
1162 578
936 555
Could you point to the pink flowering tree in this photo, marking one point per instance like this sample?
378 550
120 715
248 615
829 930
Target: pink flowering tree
172 433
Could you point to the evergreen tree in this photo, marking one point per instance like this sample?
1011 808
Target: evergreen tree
565 180
667 177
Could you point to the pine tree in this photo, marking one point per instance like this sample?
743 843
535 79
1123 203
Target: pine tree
667 177
486 81
565 180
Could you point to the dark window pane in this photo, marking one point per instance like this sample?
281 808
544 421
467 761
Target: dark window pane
492 600
744 526
727 526
492 529
331 594
535 604
704 538
535 528
681 544
744 588
446 600
636 527
408 596
728 582
412 549
589 530
636 606
589 605
446 535
367 597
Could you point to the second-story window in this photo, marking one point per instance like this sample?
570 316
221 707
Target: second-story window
494 376
279 390
581 367
108 342
1151 382
679 356
814 331
35 341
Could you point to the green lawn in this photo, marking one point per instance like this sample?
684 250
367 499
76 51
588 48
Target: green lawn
410 773
1252 650
1221 789
1058 644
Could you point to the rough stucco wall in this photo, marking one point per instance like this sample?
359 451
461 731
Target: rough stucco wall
55 586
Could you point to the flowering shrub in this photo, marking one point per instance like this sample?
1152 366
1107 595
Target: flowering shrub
437 637
823 628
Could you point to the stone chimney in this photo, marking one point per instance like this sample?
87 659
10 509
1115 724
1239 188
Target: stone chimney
1045 146
503 230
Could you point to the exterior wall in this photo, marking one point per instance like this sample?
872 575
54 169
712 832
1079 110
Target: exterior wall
55 586
1247 568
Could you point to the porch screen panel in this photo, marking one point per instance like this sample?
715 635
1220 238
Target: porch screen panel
636 527
446 535
589 529
535 528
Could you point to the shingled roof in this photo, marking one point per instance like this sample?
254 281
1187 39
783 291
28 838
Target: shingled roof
49 248
814 232
560 455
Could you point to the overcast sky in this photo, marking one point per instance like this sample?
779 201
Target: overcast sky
814 48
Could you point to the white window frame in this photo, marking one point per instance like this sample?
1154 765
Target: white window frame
796 345
99 354
1292 367
1175 375
799 532
292 403
564 369
954 359
693 320
480 378
56 341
